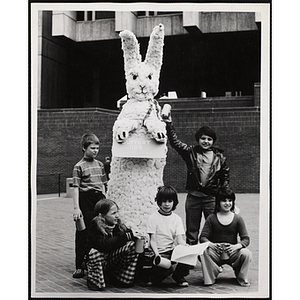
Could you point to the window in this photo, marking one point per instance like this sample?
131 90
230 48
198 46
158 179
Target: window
105 15
141 13
89 16
94 15
156 13
168 12
80 15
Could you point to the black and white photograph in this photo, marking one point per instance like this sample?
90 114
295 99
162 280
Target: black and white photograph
150 150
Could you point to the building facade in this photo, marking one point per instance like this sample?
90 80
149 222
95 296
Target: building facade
81 79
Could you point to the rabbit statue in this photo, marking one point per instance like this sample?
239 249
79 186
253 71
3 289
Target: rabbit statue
134 180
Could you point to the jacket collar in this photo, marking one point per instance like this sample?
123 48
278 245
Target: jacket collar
215 150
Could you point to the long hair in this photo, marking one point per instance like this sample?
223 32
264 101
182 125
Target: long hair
101 208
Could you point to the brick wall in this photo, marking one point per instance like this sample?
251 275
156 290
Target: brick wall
60 131
58 142
238 134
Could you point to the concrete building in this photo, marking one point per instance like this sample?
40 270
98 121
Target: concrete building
81 78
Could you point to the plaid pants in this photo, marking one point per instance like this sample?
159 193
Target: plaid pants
121 263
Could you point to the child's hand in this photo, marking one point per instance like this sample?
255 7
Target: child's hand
77 214
231 249
217 247
167 119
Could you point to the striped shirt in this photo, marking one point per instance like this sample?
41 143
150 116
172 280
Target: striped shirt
89 175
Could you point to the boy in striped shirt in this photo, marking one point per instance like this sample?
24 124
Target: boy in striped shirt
89 182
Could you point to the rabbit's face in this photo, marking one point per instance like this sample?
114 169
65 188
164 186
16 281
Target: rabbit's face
142 82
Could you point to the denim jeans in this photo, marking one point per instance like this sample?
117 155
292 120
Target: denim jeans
194 206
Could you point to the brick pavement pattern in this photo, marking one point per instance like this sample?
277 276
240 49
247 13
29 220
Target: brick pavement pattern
53 257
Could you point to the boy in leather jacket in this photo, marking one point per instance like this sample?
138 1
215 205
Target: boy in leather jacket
206 173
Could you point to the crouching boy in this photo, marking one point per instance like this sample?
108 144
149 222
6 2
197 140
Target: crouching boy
165 229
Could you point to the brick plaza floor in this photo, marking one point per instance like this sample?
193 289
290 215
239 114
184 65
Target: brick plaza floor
53 232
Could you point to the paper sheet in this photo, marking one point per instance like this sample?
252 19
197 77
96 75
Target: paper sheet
188 254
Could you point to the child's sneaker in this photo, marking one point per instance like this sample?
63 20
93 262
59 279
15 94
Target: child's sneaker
180 280
79 273
149 283
244 283
93 287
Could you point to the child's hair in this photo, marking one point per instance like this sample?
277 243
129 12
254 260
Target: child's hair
103 206
207 131
166 193
88 139
225 193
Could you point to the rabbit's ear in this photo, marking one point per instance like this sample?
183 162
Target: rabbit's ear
155 48
131 49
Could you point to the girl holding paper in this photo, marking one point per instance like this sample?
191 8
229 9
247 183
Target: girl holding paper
222 230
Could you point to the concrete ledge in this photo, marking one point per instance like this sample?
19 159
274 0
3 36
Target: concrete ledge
84 109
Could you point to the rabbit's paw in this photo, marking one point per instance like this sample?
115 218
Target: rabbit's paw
157 129
160 137
121 135
122 129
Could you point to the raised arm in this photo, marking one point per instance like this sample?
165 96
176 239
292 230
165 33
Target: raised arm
175 143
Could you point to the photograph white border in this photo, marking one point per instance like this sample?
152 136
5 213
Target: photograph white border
263 11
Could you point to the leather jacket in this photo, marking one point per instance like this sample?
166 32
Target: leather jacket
219 173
